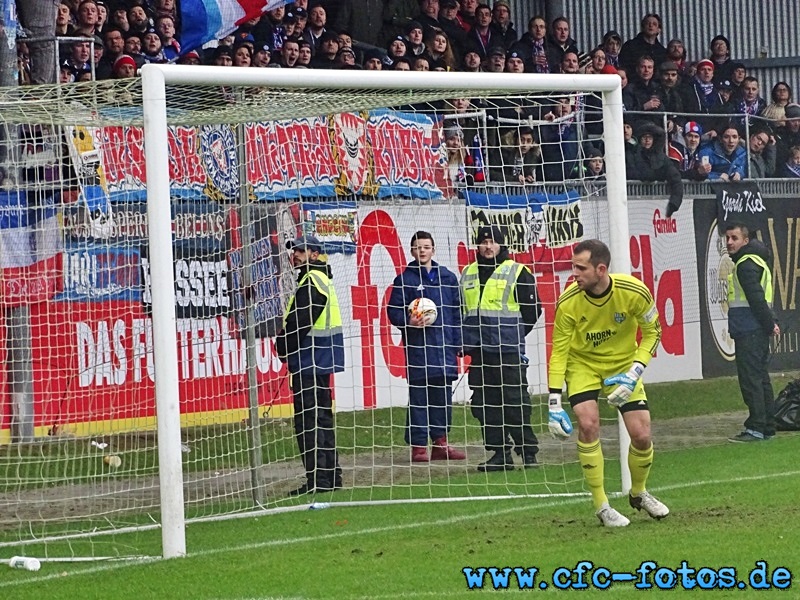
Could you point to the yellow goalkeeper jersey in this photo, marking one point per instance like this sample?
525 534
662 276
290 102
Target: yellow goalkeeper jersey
602 330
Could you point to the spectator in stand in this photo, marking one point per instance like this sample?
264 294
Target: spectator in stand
373 60
363 18
472 135
496 60
420 63
114 44
65 72
325 57
690 165
133 47
414 41
595 165
80 57
242 56
788 135
317 25
482 36
119 18
540 55
646 43
751 103
397 48
439 48
738 74
597 62
561 40
304 54
612 43
455 28
562 148
101 69
302 20
458 158
514 62
429 14
670 93
125 67
472 61
222 56
501 23
467 11
86 18
676 52
191 58
152 49
700 96
791 168
63 21
727 157
262 56
649 162
569 63
522 159
289 53
165 26
781 96
401 64
138 19
645 87
721 57
272 28
762 153
102 16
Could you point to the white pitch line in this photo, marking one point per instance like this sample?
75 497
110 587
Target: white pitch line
373 530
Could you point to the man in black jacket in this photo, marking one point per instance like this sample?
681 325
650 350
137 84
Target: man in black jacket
501 306
751 323
311 343
648 161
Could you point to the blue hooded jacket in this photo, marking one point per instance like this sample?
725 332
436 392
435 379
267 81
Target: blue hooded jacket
431 352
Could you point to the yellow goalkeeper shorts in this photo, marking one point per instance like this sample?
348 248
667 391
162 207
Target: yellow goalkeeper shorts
584 377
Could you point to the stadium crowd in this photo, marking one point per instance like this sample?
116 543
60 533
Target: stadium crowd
691 117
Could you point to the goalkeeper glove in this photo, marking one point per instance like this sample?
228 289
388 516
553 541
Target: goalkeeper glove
559 423
625 383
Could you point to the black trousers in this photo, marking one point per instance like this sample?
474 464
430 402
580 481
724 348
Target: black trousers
752 365
500 401
314 429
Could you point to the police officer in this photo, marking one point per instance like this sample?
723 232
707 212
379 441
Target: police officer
501 306
312 345
751 322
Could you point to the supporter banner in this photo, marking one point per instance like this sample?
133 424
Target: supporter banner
30 249
101 274
345 155
206 20
781 234
740 202
93 364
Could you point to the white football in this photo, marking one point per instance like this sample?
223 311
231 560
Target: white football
424 308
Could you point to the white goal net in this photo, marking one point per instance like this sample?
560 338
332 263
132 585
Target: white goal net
146 274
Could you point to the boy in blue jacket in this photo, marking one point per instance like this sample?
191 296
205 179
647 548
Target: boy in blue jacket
431 351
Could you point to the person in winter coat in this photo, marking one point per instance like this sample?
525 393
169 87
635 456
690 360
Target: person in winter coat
648 161
311 344
431 350
751 323
728 159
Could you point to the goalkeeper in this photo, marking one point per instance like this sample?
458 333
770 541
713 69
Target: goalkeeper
594 350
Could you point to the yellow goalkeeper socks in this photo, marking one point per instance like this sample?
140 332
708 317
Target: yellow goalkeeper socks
591 458
639 462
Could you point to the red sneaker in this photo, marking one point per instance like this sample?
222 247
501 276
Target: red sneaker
442 451
419 454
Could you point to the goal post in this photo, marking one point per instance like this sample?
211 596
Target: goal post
156 78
